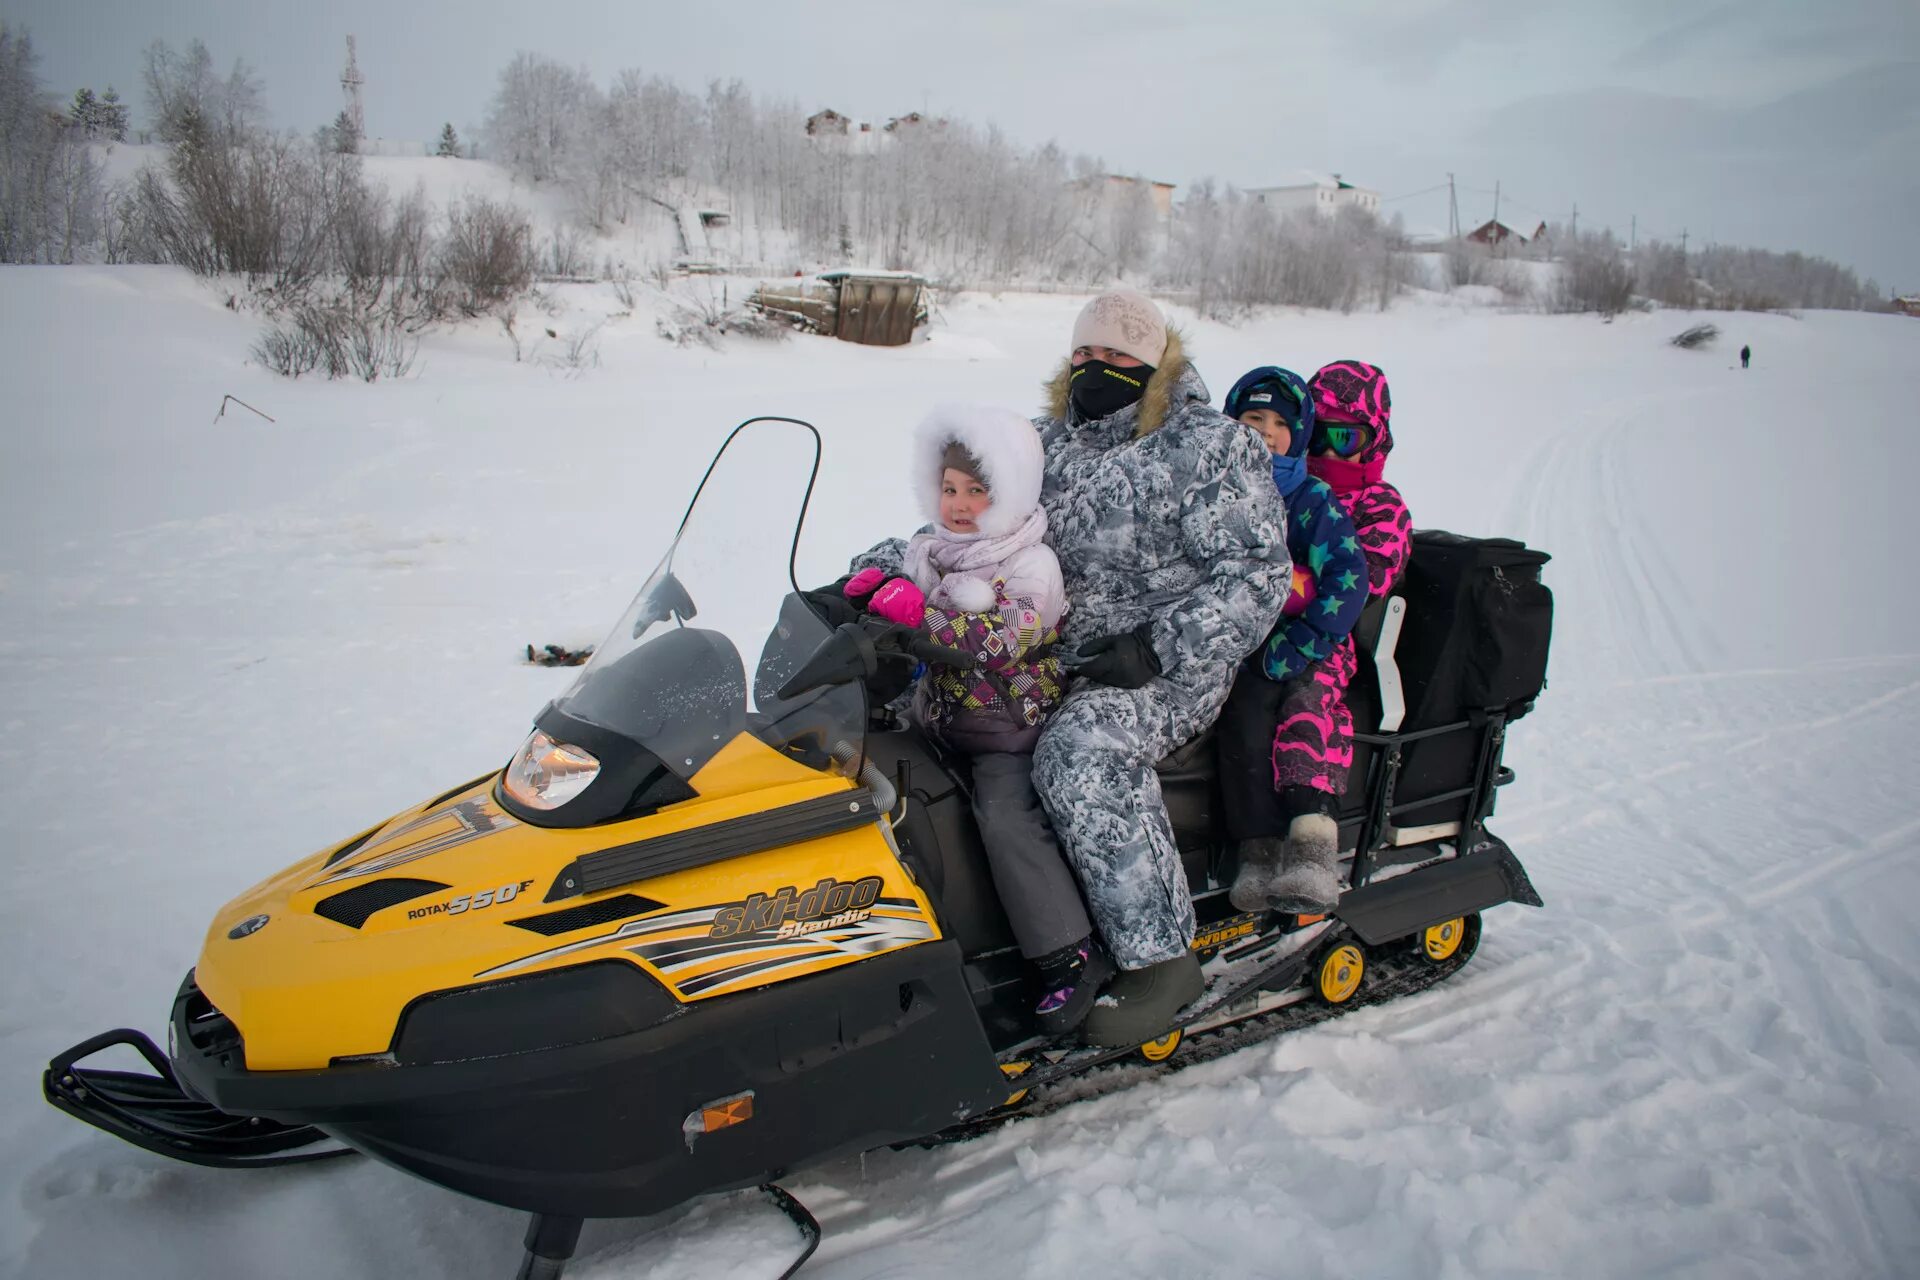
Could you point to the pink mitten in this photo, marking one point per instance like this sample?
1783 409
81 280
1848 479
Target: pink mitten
863 583
899 601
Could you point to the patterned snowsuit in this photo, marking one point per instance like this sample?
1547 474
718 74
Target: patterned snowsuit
1313 745
1291 682
997 596
1165 513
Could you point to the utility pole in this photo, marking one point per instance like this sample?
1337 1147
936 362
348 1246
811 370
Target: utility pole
1633 233
1683 244
1576 223
1496 199
1453 211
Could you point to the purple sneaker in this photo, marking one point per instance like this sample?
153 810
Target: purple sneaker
1070 980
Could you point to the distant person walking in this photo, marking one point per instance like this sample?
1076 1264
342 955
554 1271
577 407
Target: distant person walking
1746 354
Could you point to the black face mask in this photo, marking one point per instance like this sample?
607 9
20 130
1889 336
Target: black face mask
1099 388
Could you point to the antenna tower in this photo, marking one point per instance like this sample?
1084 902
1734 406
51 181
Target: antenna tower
350 82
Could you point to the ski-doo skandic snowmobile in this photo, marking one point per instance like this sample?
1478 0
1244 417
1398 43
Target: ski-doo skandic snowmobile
722 914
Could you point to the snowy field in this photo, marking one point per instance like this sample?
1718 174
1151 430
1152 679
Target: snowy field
224 644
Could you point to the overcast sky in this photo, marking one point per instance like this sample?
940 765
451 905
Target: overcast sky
1786 124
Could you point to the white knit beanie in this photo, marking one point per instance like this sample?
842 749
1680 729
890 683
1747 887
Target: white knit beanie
1124 320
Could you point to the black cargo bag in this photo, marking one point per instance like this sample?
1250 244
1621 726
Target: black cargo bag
1479 621
1478 624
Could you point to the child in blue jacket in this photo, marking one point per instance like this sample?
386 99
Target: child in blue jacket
1276 787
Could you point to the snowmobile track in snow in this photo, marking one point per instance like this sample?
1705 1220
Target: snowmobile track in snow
1391 979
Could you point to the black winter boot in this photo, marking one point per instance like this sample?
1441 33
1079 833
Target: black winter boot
1069 980
1141 1003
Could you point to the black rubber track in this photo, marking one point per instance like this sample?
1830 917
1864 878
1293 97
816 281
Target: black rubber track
1392 975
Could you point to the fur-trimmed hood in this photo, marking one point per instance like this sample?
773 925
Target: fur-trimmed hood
1011 462
1155 402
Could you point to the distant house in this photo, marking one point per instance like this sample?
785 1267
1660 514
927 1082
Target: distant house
1324 193
1908 305
1114 186
1494 232
913 119
827 123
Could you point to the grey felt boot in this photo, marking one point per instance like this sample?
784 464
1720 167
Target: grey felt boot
1259 863
1308 881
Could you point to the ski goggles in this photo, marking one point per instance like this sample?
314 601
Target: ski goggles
1341 439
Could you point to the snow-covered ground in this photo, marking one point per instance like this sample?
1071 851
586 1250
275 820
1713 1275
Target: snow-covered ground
224 643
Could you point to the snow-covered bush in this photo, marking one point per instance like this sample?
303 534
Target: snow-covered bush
339 339
1594 276
700 318
386 258
486 255
263 206
1661 274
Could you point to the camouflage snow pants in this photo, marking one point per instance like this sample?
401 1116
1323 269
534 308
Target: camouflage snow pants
1093 768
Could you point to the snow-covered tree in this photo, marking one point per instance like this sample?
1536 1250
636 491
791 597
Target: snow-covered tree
112 116
84 113
343 135
541 119
449 143
189 101
49 180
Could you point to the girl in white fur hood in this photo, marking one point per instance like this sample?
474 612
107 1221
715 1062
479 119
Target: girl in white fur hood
980 578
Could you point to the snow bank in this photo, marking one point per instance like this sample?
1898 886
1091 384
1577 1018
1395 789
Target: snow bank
226 643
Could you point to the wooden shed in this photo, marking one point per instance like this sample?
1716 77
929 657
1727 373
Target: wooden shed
876 308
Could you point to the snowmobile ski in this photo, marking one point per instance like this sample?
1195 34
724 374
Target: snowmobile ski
153 1111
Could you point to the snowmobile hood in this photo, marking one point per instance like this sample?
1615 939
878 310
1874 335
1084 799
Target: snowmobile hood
322 961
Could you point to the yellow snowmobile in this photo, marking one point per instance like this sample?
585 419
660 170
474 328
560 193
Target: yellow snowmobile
723 915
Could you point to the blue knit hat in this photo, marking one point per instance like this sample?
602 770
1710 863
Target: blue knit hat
1284 392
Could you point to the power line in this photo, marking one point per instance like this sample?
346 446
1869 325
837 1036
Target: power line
1427 191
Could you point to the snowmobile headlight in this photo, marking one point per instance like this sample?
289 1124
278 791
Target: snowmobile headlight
546 774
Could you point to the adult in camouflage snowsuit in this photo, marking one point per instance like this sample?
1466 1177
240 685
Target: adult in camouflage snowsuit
1172 539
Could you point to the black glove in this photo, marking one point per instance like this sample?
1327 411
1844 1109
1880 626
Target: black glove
1124 661
831 604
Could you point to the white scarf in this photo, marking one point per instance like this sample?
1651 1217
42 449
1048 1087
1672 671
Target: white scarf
939 551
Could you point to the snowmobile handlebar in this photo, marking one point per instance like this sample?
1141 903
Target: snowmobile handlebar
855 649
919 646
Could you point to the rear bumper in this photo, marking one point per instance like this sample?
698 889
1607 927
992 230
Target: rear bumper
880 1051
1484 877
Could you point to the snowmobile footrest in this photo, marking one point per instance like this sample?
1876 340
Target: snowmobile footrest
1389 909
152 1111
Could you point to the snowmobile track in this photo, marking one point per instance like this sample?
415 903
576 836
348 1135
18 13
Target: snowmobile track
1392 978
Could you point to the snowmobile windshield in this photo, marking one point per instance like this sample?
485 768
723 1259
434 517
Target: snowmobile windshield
690 672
